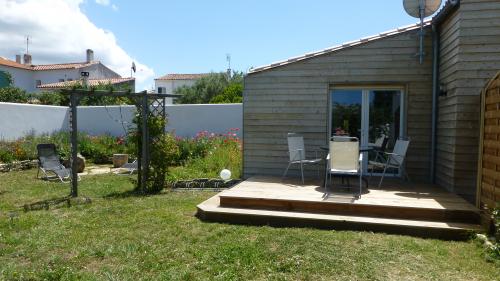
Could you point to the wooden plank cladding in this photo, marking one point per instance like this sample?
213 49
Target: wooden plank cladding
295 98
489 152
469 57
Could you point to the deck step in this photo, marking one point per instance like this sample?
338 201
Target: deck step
255 202
211 210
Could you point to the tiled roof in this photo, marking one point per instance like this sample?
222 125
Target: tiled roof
91 82
364 40
6 62
175 76
73 65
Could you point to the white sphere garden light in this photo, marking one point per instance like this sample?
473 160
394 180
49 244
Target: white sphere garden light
225 174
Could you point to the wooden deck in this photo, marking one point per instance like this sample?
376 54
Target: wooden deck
398 207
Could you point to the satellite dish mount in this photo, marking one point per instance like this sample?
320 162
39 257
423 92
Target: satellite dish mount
421 9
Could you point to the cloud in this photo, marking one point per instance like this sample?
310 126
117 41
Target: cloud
103 2
60 32
107 3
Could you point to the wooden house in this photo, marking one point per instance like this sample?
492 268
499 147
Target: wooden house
374 87
437 101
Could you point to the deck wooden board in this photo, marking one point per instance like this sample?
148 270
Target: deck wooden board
210 210
395 194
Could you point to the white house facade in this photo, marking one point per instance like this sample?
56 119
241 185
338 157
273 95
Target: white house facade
36 78
168 83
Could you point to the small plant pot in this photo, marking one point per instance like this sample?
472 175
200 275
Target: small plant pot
119 160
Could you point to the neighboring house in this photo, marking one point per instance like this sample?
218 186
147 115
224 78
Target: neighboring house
168 83
377 85
32 77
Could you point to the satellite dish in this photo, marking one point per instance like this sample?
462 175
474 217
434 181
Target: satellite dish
421 8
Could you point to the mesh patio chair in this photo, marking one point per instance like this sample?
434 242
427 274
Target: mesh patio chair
49 162
380 143
297 154
394 160
344 159
129 167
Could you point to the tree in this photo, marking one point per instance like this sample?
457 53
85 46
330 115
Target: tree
208 87
232 94
6 79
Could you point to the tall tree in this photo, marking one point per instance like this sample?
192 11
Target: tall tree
208 87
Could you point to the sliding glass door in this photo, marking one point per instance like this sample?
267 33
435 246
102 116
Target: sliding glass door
368 114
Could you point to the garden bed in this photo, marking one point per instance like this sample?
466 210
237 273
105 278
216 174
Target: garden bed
203 184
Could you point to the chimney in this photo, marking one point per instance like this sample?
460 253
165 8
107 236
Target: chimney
90 55
18 58
27 59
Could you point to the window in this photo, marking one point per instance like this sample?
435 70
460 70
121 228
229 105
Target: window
61 80
160 90
70 79
38 82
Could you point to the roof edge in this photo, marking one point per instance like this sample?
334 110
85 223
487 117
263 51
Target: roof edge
448 8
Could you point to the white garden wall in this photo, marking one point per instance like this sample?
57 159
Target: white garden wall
17 120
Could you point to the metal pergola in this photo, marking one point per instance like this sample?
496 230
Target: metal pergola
147 105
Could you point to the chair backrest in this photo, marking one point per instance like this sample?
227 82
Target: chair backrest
380 141
47 155
344 153
296 149
400 149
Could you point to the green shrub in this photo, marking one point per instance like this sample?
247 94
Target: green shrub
13 94
96 149
496 220
52 98
6 154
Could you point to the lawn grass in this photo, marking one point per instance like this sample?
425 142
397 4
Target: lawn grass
120 236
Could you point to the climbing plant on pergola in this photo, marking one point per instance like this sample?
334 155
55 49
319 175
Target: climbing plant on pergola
148 106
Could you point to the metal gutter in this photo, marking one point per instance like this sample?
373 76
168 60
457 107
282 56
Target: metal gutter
435 97
448 8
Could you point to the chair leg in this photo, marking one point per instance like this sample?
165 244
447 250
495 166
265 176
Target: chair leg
382 178
326 181
360 185
286 170
406 175
302 171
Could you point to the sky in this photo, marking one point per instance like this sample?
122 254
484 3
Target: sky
187 36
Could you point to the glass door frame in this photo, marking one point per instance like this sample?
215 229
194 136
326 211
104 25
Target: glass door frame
365 112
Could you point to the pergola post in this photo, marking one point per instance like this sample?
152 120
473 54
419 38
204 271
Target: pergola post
145 143
73 122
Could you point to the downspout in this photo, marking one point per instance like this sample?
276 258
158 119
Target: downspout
435 97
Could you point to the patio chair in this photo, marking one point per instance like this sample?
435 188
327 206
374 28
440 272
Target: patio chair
297 154
49 162
380 143
344 159
394 160
130 167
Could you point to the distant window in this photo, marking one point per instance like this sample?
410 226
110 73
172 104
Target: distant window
70 79
161 90
38 82
61 80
